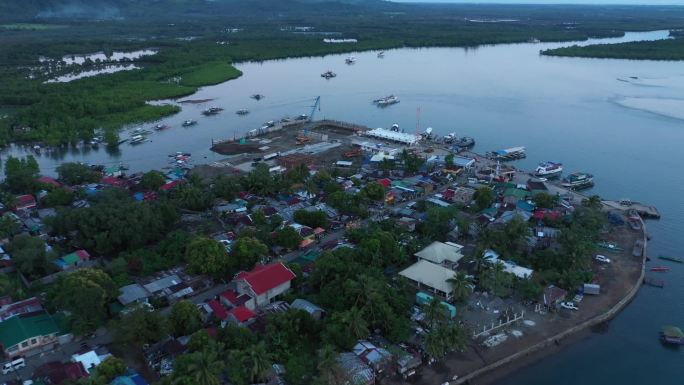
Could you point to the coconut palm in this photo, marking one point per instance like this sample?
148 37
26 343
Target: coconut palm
354 323
435 312
460 286
201 368
256 361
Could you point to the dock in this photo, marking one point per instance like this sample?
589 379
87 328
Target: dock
644 211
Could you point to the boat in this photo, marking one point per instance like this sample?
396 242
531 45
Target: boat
160 127
212 111
548 169
242 111
464 142
386 101
660 268
671 259
328 74
507 154
654 282
137 139
609 246
350 60
257 96
638 249
189 123
671 335
578 181
381 54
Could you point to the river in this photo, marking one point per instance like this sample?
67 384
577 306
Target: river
584 112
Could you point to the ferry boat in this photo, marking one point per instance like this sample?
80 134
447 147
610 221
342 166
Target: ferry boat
672 335
548 169
212 111
350 60
578 181
242 111
386 101
507 154
328 74
189 123
660 268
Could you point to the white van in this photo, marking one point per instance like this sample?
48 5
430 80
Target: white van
13 365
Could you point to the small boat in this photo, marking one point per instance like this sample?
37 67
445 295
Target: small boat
257 96
140 131
242 111
212 111
137 139
609 246
507 154
386 101
381 54
328 74
650 281
464 142
548 169
350 60
660 268
638 249
189 123
672 335
671 259
160 127
578 181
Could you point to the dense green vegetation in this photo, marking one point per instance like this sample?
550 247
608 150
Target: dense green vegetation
59 113
671 49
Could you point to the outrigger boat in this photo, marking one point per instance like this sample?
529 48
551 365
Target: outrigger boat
137 139
242 111
671 259
160 127
189 123
212 111
548 169
381 54
578 181
328 74
350 60
257 96
660 268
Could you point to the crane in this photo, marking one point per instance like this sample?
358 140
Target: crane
317 104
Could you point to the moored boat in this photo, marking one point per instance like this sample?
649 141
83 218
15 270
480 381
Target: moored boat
328 74
386 101
548 169
381 54
137 139
671 259
257 96
507 154
189 123
672 335
638 249
660 268
242 111
578 181
350 60
464 142
212 111
654 282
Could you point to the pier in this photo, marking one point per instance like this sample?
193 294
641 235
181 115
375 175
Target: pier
644 211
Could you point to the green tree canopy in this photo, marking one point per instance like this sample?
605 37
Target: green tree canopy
152 180
185 318
21 174
77 173
207 256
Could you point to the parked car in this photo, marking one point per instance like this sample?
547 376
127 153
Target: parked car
13 365
602 258
569 306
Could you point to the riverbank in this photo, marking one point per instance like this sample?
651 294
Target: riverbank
671 49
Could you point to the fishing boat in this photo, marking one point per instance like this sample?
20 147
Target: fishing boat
137 139
386 101
464 142
548 169
609 246
212 111
672 335
660 268
328 74
507 154
242 111
350 60
654 282
578 181
160 127
189 123
257 96
638 249
381 54
671 259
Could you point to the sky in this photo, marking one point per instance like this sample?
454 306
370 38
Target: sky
644 2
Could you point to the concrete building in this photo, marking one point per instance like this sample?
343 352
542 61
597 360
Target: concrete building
430 277
265 282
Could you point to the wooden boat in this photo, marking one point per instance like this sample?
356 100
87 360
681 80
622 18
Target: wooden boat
638 249
654 282
671 259
660 268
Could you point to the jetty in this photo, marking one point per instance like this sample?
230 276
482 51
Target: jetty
645 211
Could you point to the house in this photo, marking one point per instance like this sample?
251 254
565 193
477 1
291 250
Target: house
441 253
265 282
231 299
241 316
509 266
72 260
25 202
379 359
218 310
408 223
427 275
158 285
46 180
133 293
26 332
90 360
552 296
314 311
57 372
512 195
30 305
354 370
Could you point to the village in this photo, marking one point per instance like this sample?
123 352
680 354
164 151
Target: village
317 252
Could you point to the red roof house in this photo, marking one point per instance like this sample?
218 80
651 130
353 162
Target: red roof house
219 310
49 181
265 282
241 315
230 298
385 182
114 181
25 202
170 185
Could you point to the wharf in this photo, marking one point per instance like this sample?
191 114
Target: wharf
645 211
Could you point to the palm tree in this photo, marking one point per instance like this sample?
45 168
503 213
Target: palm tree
434 312
495 279
202 369
593 201
434 343
479 260
460 286
354 322
256 361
